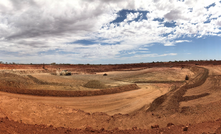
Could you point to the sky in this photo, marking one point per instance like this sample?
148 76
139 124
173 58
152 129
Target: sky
109 31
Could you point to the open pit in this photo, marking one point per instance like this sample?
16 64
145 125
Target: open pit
125 98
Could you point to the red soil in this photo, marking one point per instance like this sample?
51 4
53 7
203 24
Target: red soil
164 110
8 127
70 93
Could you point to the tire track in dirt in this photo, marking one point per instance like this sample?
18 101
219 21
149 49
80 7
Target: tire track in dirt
211 87
170 102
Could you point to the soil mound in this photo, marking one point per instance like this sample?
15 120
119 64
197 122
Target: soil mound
58 93
13 80
94 84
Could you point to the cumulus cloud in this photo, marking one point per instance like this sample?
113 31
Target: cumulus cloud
32 27
131 16
173 15
42 18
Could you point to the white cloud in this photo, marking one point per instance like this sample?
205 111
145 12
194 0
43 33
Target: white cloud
169 44
217 21
181 41
131 16
174 15
30 27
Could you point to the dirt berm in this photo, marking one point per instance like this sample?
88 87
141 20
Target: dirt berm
170 101
70 93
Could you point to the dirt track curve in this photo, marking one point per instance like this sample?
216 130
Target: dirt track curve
123 103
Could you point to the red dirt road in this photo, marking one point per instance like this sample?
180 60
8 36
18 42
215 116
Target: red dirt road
29 108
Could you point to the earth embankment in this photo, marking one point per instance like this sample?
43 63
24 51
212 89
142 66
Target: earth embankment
170 101
70 93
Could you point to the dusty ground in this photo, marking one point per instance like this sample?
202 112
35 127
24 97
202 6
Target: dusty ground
102 111
212 86
156 74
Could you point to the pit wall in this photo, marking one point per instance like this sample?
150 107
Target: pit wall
177 97
170 101
57 93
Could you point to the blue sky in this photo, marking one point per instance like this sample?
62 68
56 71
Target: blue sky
109 31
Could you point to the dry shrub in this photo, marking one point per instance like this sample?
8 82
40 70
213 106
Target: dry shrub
94 84
187 77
